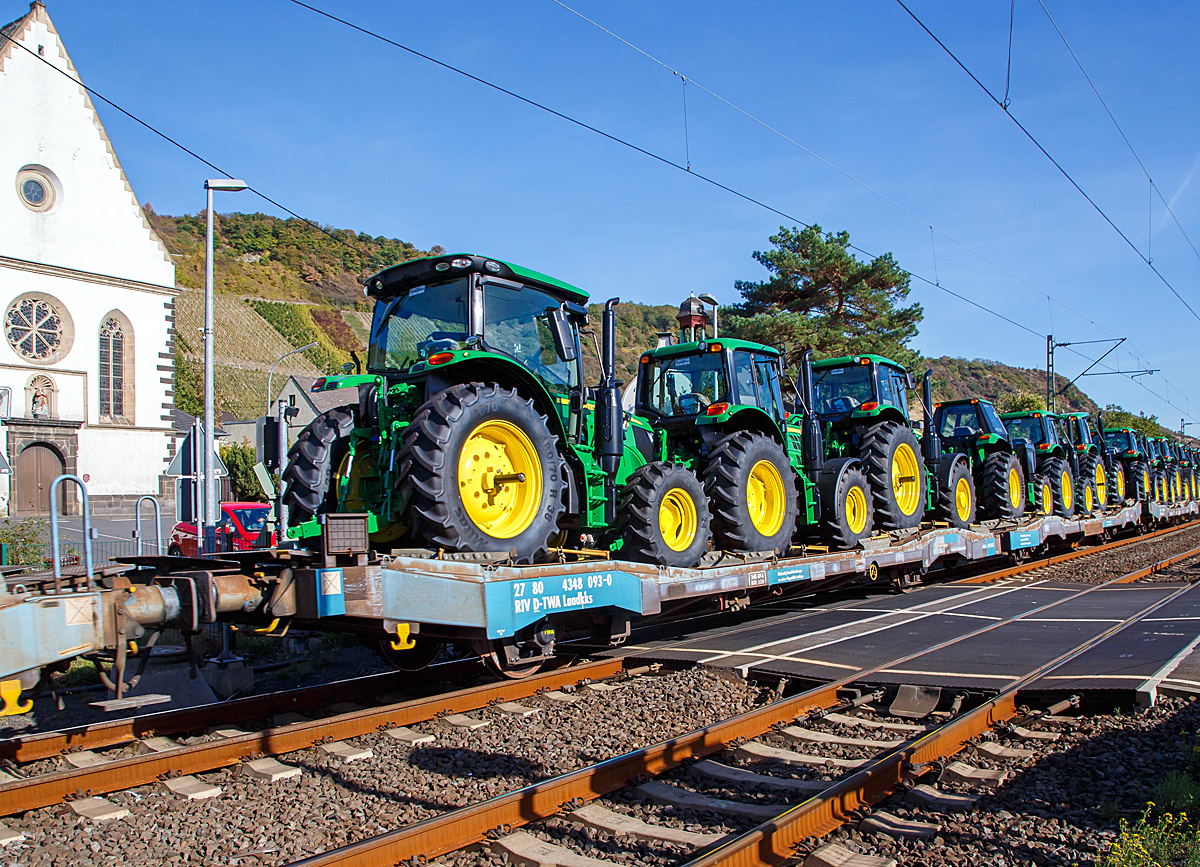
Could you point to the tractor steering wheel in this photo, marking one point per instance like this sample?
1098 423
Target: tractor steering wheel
699 399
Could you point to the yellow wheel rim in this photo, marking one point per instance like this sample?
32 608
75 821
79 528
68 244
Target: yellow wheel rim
1068 491
1101 484
1014 487
906 479
962 499
677 519
1047 498
1088 503
499 449
1146 483
765 498
1121 485
856 510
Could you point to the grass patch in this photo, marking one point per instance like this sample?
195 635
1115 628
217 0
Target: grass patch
1169 841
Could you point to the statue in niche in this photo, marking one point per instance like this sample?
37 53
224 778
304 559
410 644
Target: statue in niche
40 404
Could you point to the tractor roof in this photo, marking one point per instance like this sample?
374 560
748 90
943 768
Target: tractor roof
854 359
1026 413
428 269
697 346
1120 430
958 401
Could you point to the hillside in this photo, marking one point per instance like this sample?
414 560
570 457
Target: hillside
283 284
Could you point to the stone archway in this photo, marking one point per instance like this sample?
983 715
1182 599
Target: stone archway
38 465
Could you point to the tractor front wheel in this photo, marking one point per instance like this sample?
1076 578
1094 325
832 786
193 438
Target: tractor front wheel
1092 468
752 493
1116 484
1089 500
849 517
956 501
1003 486
1143 489
319 450
1063 486
1043 491
891 455
484 472
664 516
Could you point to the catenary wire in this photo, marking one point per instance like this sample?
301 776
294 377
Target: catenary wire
1048 156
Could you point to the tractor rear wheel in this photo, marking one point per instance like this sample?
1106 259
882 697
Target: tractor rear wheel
956 501
752 494
319 449
1116 484
891 455
1003 486
664 516
849 519
1063 486
484 472
1089 500
1159 483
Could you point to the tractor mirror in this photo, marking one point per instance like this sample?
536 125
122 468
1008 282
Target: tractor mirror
561 333
912 380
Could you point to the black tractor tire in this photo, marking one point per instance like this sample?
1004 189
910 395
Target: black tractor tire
1001 471
1117 484
1043 493
319 449
1062 483
956 501
740 461
1092 470
1142 481
880 448
853 488
657 505
1089 500
1159 485
471 416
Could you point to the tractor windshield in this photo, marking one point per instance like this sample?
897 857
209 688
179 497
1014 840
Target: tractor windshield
1119 441
685 384
515 323
418 323
961 420
843 389
1030 429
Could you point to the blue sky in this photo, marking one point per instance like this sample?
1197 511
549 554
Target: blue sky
354 133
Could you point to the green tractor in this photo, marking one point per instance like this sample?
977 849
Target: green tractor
968 449
861 406
1164 464
1088 459
1125 451
472 431
717 408
1040 430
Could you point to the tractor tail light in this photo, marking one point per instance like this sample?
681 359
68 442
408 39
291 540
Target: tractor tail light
717 409
318 384
441 357
869 405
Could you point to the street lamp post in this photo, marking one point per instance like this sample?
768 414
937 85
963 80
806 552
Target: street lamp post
709 298
211 492
271 373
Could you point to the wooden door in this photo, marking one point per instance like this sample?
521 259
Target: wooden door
37 468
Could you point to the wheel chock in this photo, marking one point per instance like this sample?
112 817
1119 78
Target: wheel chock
10 693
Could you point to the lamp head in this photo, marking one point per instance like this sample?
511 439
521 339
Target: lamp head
228 185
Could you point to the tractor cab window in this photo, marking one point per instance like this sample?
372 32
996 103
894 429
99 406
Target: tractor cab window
887 388
1085 431
842 389
1030 429
758 382
515 322
961 420
994 424
743 376
686 384
900 386
422 321
1119 441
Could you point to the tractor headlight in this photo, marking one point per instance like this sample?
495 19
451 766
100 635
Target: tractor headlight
494 267
461 262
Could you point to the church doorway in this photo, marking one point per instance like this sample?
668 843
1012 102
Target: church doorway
38 466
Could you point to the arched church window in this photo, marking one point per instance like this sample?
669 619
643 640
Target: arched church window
112 369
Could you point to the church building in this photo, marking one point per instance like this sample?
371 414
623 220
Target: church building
87 294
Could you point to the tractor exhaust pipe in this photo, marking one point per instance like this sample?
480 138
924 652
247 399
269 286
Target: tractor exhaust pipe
931 444
812 448
608 400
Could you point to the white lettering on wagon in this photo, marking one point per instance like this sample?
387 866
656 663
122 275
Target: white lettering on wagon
531 597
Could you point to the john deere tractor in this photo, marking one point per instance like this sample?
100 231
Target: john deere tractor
1164 465
1041 431
1124 447
716 406
861 405
1088 459
968 449
472 431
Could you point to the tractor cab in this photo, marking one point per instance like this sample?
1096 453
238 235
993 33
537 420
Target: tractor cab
1089 459
859 388
1054 474
968 451
963 425
1123 444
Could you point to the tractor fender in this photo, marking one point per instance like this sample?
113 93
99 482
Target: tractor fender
946 466
831 476
1027 455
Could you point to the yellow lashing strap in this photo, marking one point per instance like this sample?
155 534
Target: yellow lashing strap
404 643
10 693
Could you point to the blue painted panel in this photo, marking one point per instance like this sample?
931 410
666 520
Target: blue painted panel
48 629
513 605
331 593
1026 539
800 572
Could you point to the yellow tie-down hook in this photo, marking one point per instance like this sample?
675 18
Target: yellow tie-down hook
404 642
10 693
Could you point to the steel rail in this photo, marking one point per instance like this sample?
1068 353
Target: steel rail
774 841
90 736
1020 569
46 789
457 829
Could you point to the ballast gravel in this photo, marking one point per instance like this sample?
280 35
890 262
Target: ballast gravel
333 803
1121 561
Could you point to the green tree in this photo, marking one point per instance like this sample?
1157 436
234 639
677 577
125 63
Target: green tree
1020 401
821 297
239 460
1116 416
